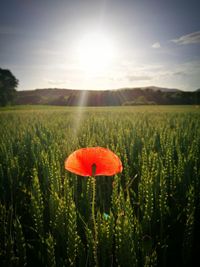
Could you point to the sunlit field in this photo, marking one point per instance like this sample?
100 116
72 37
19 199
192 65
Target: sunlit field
148 215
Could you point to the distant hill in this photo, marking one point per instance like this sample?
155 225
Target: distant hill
162 89
117 97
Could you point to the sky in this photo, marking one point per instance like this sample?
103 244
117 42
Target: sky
101 44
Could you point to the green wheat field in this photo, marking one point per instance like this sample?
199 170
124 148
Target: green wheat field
149 215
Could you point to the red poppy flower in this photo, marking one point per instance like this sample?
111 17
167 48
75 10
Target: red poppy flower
93 161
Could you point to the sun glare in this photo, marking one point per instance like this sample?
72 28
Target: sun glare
96 53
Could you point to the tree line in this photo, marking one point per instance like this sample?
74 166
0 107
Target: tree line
120 97
8 85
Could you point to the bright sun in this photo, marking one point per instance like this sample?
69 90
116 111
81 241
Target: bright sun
96 53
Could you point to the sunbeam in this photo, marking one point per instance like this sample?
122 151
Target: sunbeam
79 111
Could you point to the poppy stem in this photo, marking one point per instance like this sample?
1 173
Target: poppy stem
93 213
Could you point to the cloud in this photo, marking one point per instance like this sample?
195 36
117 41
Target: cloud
179 73
138 78
47 52
9 30
156 45
182 71
191 38
57 82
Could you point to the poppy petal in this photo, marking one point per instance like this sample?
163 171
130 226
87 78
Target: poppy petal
81 161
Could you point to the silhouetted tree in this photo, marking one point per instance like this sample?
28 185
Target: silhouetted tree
8 85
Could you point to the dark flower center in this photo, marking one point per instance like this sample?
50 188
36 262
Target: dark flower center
94 167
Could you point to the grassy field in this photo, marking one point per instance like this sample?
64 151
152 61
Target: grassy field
146 216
